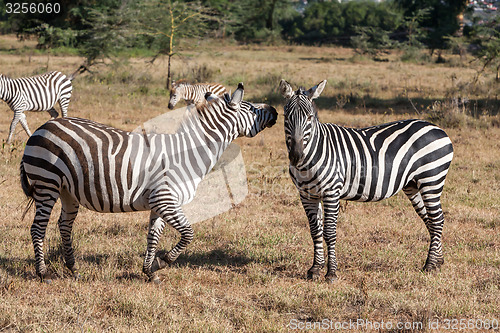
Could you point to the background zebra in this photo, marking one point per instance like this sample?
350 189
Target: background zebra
193 93
330 162
35 93
109 170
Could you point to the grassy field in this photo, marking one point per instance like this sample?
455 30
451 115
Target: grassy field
245 269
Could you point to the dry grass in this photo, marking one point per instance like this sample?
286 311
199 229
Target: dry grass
245 270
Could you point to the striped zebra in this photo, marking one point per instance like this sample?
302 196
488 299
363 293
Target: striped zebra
35 93
109 170
329 162
193 93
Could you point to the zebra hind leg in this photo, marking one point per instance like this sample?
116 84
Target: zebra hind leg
24 124
435 222
428 207
38 228
69 210
63 103
53 113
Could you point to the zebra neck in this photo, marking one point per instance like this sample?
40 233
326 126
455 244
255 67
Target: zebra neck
201 141
315 148
315 136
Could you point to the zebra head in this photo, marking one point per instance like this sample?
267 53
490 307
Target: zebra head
300 118
249 119
176 94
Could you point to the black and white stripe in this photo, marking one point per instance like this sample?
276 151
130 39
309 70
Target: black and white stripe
329 162
193 93
109 170
36 93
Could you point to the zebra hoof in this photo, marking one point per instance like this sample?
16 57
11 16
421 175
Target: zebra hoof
430 266
331 277
155 279
158 264
46 279
313 273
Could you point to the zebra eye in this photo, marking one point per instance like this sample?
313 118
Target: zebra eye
309 117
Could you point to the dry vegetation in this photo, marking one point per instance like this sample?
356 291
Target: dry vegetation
245 270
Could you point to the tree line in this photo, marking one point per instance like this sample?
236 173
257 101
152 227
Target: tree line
318 22
99 29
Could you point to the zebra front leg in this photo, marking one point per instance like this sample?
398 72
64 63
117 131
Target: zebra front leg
331 207
314 212
156 226
175 217
17 117
69 210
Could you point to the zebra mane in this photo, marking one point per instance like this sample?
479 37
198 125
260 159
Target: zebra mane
192 119
301 91
182 82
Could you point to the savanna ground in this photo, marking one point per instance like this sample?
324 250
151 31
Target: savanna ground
245 269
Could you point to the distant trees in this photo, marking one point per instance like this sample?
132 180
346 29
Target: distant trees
334 22
441 21
486 39
361 23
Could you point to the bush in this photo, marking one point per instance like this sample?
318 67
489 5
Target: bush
454 113
338 22
198 74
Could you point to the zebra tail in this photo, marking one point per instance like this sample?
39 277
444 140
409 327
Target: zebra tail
28 189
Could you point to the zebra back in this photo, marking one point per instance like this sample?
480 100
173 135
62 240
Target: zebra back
366 164
193 93
38 93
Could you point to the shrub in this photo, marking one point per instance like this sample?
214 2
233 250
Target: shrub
199 74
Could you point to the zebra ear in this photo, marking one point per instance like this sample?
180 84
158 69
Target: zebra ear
315 91
209 96
238 95
285 89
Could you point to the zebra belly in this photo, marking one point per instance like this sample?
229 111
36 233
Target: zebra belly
42 103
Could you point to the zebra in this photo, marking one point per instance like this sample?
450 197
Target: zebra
35 93
193 93
109 170
329 162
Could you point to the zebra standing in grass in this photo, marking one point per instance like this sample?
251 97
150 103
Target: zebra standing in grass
108 170
193 93
35 93
329 162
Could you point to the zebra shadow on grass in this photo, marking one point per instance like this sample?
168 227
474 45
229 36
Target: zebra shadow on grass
24 268
214 258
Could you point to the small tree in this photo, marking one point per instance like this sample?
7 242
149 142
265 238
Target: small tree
486 38
167 22
105 35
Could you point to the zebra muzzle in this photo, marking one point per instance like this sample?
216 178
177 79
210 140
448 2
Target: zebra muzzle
296 150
